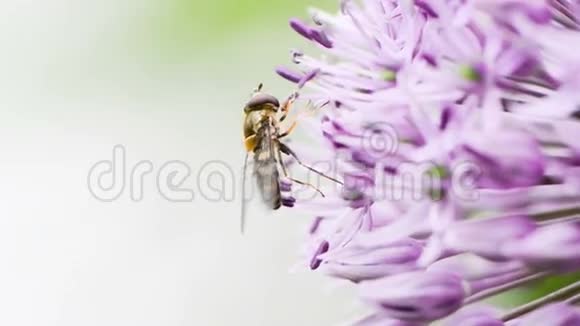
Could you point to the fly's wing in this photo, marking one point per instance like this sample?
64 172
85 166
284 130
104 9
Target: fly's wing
243 208
266 168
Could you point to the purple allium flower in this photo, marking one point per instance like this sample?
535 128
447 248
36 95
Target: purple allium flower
553 246
384 320
285 188
416 296
358 263
554 315
487 237
475 317
455 126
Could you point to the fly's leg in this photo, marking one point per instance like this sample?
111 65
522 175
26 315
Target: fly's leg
286 150
289 131
295 123
285 171
287 105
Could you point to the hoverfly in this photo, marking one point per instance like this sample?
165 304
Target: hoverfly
262 138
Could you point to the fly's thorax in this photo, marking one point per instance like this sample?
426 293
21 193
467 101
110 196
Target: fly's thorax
259 108
256 120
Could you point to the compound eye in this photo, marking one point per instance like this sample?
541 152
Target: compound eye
263 99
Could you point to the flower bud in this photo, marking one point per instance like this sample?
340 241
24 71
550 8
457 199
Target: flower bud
558 314
479 316
358 263
554 246
416 296
485 237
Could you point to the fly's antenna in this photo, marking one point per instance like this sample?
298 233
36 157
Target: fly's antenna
258 89
243 205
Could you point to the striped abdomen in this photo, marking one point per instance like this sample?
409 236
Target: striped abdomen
266 164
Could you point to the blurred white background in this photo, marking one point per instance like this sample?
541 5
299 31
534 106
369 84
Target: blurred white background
79 77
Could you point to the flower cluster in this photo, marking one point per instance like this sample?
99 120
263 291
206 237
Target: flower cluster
477 103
